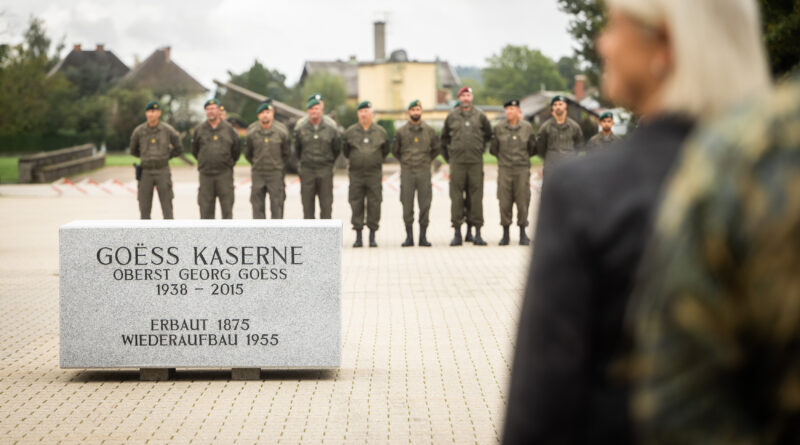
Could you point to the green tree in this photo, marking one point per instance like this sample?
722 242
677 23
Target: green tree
259 79
588 19
569 67
781 24
519 71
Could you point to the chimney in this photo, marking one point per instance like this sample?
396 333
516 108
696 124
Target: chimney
167 53
76 47
580 87
380 40
100 47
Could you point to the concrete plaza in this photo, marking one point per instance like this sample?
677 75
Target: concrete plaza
427 334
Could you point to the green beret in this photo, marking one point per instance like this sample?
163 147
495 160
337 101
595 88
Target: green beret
511 103
315 96
211 101
607 114
558 98
414 103
311 102
364 104
152 105
266 105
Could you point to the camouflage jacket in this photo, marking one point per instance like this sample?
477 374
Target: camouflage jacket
717 314
316 147
556 142
155 145
600 139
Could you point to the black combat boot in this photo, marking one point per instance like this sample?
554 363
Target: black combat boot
478 241
423 240
358 242
506 238
409 236
468 238
523 237
456 241
372 242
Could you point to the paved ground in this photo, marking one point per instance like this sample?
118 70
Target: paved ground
427 336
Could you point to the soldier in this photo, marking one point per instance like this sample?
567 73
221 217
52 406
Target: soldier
606 135
328 120
267 149
155 142
317 144
415 146
560 137
464 136
217 147
513 145
366 146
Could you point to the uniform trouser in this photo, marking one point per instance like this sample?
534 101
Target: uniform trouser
416 180
219 185
514 187
313 183
264 183
161 179
365 187
469 178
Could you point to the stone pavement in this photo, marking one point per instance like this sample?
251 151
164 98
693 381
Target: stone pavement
427 336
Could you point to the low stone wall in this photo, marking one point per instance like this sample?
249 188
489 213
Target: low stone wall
50 173
29 165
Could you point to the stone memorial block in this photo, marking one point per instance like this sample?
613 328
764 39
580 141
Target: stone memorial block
200 294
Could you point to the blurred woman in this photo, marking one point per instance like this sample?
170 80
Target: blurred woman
674 63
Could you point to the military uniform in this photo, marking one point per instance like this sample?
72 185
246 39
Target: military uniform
366 150
155 146
716 313
557 142
216 151
268 151
416 146
464 139
601 139
317 148
513 146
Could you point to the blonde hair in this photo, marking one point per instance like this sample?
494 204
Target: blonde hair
718 55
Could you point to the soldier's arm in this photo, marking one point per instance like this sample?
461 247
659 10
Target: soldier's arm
385 147
541 142
435 144
286 148
445 141
494 149
195 143
236 148
531 145
135 144
298 144
336 145
579 142
248 148
396 145
175 142
345 146
486 126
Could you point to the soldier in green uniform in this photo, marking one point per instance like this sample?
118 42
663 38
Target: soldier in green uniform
464 136
716 316
317 145
415 146
216 146
328 120
559 137
606 135
155 142
513 145
267 149
366 145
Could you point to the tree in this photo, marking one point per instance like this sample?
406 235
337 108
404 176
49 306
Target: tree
569 67
259 79
519 71
781 24
588 19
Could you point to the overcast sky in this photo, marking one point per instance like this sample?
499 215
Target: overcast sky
209 38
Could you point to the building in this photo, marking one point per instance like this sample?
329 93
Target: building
96 60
